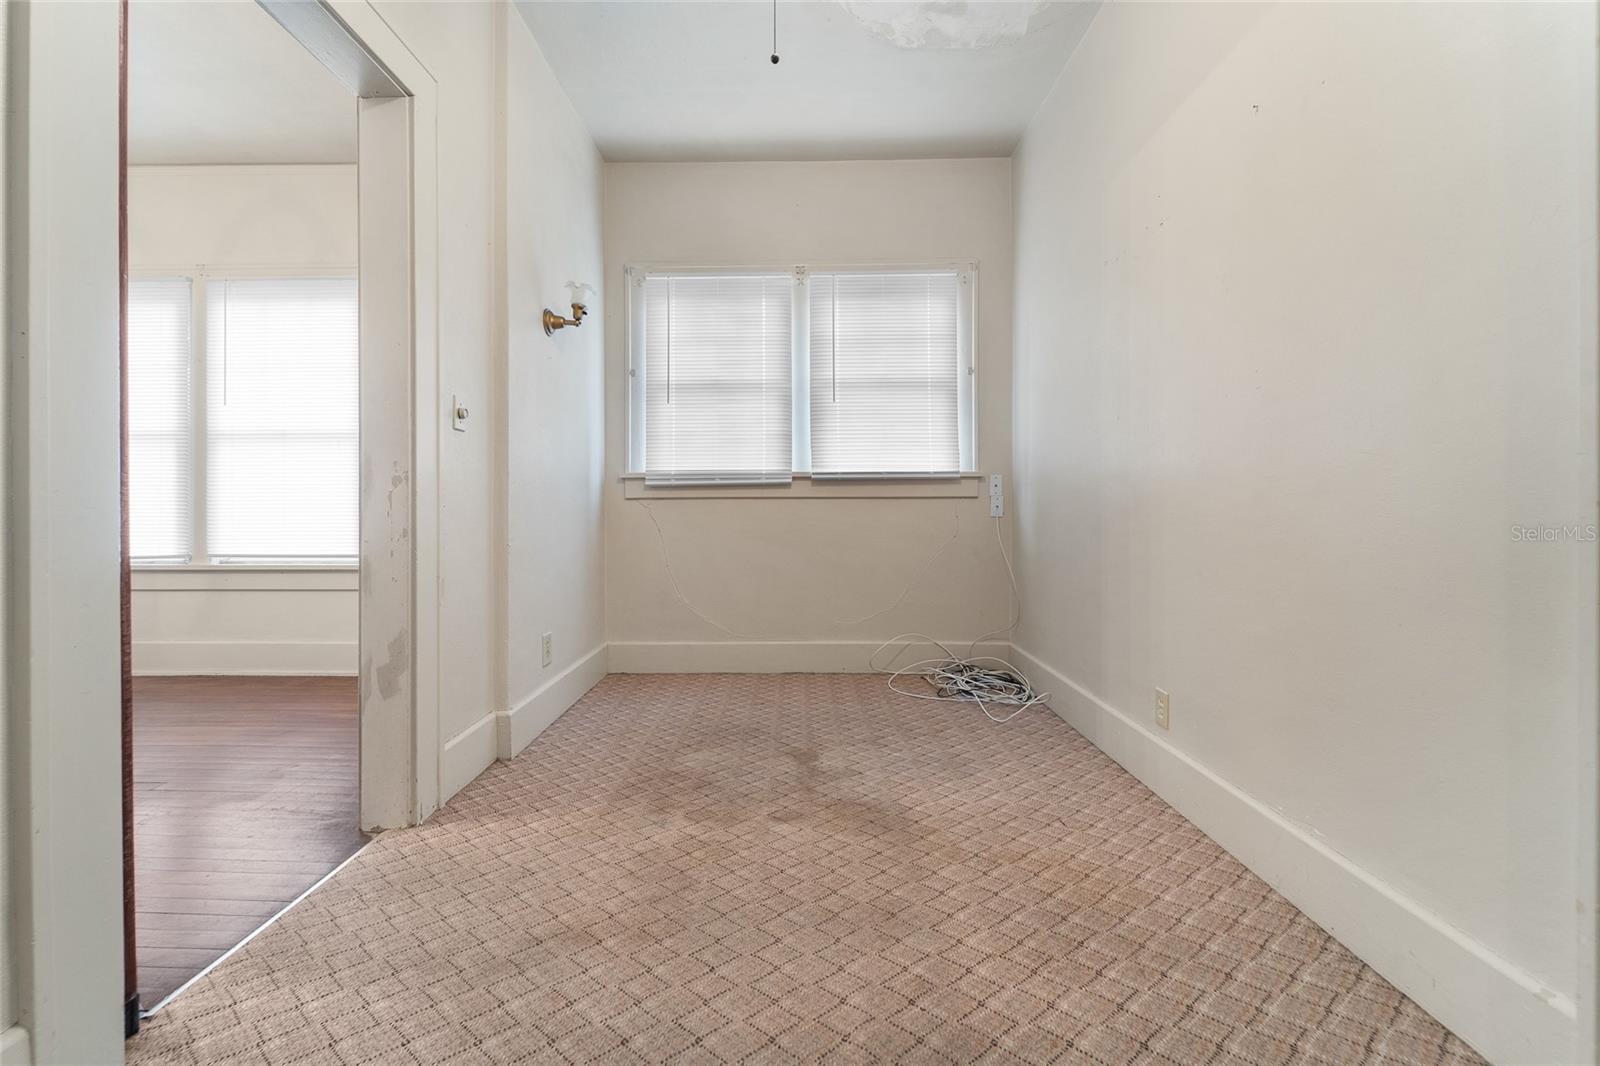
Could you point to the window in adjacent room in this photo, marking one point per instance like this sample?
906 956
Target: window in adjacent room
160 433
282 445
749 376
259 466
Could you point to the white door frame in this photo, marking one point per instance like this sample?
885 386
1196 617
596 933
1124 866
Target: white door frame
63 639
397 177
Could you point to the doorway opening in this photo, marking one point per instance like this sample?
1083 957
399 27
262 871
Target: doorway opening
280 447
242 454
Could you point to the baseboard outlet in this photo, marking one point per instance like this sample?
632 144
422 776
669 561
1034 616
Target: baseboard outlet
466 755
517 728
168 658
15 1049
772 657
1501 1010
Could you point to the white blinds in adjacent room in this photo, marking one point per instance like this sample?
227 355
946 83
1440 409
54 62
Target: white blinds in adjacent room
716 354
160 512
282 445
885 373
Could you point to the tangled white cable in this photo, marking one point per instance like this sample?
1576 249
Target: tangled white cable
986 680
982 679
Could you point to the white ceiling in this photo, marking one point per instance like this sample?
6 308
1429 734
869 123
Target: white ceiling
218 81
857 79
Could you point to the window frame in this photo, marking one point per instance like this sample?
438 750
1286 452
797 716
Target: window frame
198 274
854 484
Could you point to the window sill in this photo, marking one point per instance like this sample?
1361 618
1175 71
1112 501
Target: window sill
805 487
244 578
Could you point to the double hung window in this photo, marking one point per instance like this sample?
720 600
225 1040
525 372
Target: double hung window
755 376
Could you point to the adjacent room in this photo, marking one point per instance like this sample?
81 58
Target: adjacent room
242 469
804 531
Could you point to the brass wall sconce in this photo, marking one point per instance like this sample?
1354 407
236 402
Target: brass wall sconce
553 321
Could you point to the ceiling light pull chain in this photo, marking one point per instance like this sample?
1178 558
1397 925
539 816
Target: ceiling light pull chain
774 32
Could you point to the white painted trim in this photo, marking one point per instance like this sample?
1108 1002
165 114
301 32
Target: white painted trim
1501 1010
245 658
807 487
1586 738
240 168
765 656
63 637
467 754
14 1047
216 578
397 179
530 717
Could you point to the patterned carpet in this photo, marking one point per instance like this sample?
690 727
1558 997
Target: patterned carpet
796 868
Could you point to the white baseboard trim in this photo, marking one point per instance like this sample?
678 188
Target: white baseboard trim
15 1049
769 656
466 755
1498 1008
517 728
166 658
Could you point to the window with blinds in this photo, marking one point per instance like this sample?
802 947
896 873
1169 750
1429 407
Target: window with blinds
716 351
885 374
282 436
160 429
750 376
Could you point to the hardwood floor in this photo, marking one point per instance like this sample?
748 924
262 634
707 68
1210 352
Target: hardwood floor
245 793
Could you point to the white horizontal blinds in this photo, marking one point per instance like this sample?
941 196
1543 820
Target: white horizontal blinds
160 437
716 351
282 444
885 373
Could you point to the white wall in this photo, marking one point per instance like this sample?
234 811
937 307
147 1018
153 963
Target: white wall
552 410
242 216
238 218
1305 325
520 547
805 583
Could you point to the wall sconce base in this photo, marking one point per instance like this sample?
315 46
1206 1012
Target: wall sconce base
553 321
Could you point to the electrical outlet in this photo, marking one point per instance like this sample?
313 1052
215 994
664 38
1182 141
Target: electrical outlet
1163 709
544 649
997 496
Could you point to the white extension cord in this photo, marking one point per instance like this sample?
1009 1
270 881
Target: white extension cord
986 680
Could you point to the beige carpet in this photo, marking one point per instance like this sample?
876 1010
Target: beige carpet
796 868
